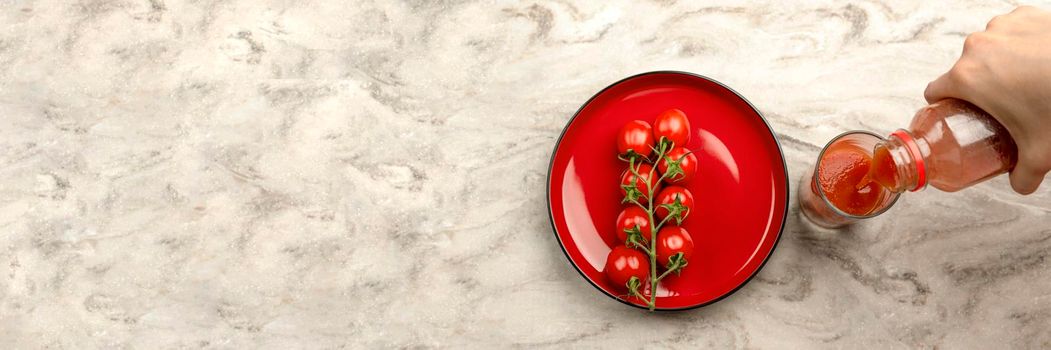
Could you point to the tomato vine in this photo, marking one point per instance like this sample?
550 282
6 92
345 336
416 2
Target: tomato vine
676 211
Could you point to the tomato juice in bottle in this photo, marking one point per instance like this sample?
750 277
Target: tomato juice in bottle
950 144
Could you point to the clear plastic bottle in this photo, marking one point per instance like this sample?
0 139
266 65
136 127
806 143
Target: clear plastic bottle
950 144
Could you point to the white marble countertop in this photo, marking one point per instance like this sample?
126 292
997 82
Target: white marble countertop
285 174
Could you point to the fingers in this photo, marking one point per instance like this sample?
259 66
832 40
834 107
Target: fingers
961 81
1024 9
939 89
1025 179
995 23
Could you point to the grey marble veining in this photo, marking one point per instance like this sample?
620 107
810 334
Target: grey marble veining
325 174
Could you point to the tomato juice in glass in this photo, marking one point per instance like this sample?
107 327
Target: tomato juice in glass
838 191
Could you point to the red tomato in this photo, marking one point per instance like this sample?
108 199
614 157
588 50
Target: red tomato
646 173
673 125
635 137
687 162
668 196
629 218
672 240
623 263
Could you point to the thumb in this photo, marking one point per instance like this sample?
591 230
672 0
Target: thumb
1025 179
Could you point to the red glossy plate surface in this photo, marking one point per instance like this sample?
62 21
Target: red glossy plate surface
740 188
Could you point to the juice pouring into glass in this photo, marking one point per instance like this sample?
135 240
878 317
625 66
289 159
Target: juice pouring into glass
836 191
950 145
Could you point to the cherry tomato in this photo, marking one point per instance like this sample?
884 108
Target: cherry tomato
687 162
673 125
635 137
623 263
669 196
629 218
672 240
646 173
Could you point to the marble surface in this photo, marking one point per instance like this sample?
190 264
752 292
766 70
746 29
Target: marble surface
326 174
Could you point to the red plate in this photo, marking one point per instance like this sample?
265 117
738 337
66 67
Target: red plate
741 186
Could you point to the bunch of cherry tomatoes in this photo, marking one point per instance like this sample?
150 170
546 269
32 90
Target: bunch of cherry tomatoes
657 162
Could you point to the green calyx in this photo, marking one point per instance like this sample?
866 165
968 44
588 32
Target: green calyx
631 193
676 263
633 285
635 239
632 156
674 170
665 144
676 210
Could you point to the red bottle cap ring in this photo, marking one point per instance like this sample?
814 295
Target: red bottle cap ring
917 158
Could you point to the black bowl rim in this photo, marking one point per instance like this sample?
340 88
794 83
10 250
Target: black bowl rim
784 166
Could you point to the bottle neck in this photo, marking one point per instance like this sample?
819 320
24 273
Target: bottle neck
902 166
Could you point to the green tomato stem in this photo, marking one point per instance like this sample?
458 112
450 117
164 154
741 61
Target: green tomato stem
650 187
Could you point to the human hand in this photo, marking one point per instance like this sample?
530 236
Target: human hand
1006 71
